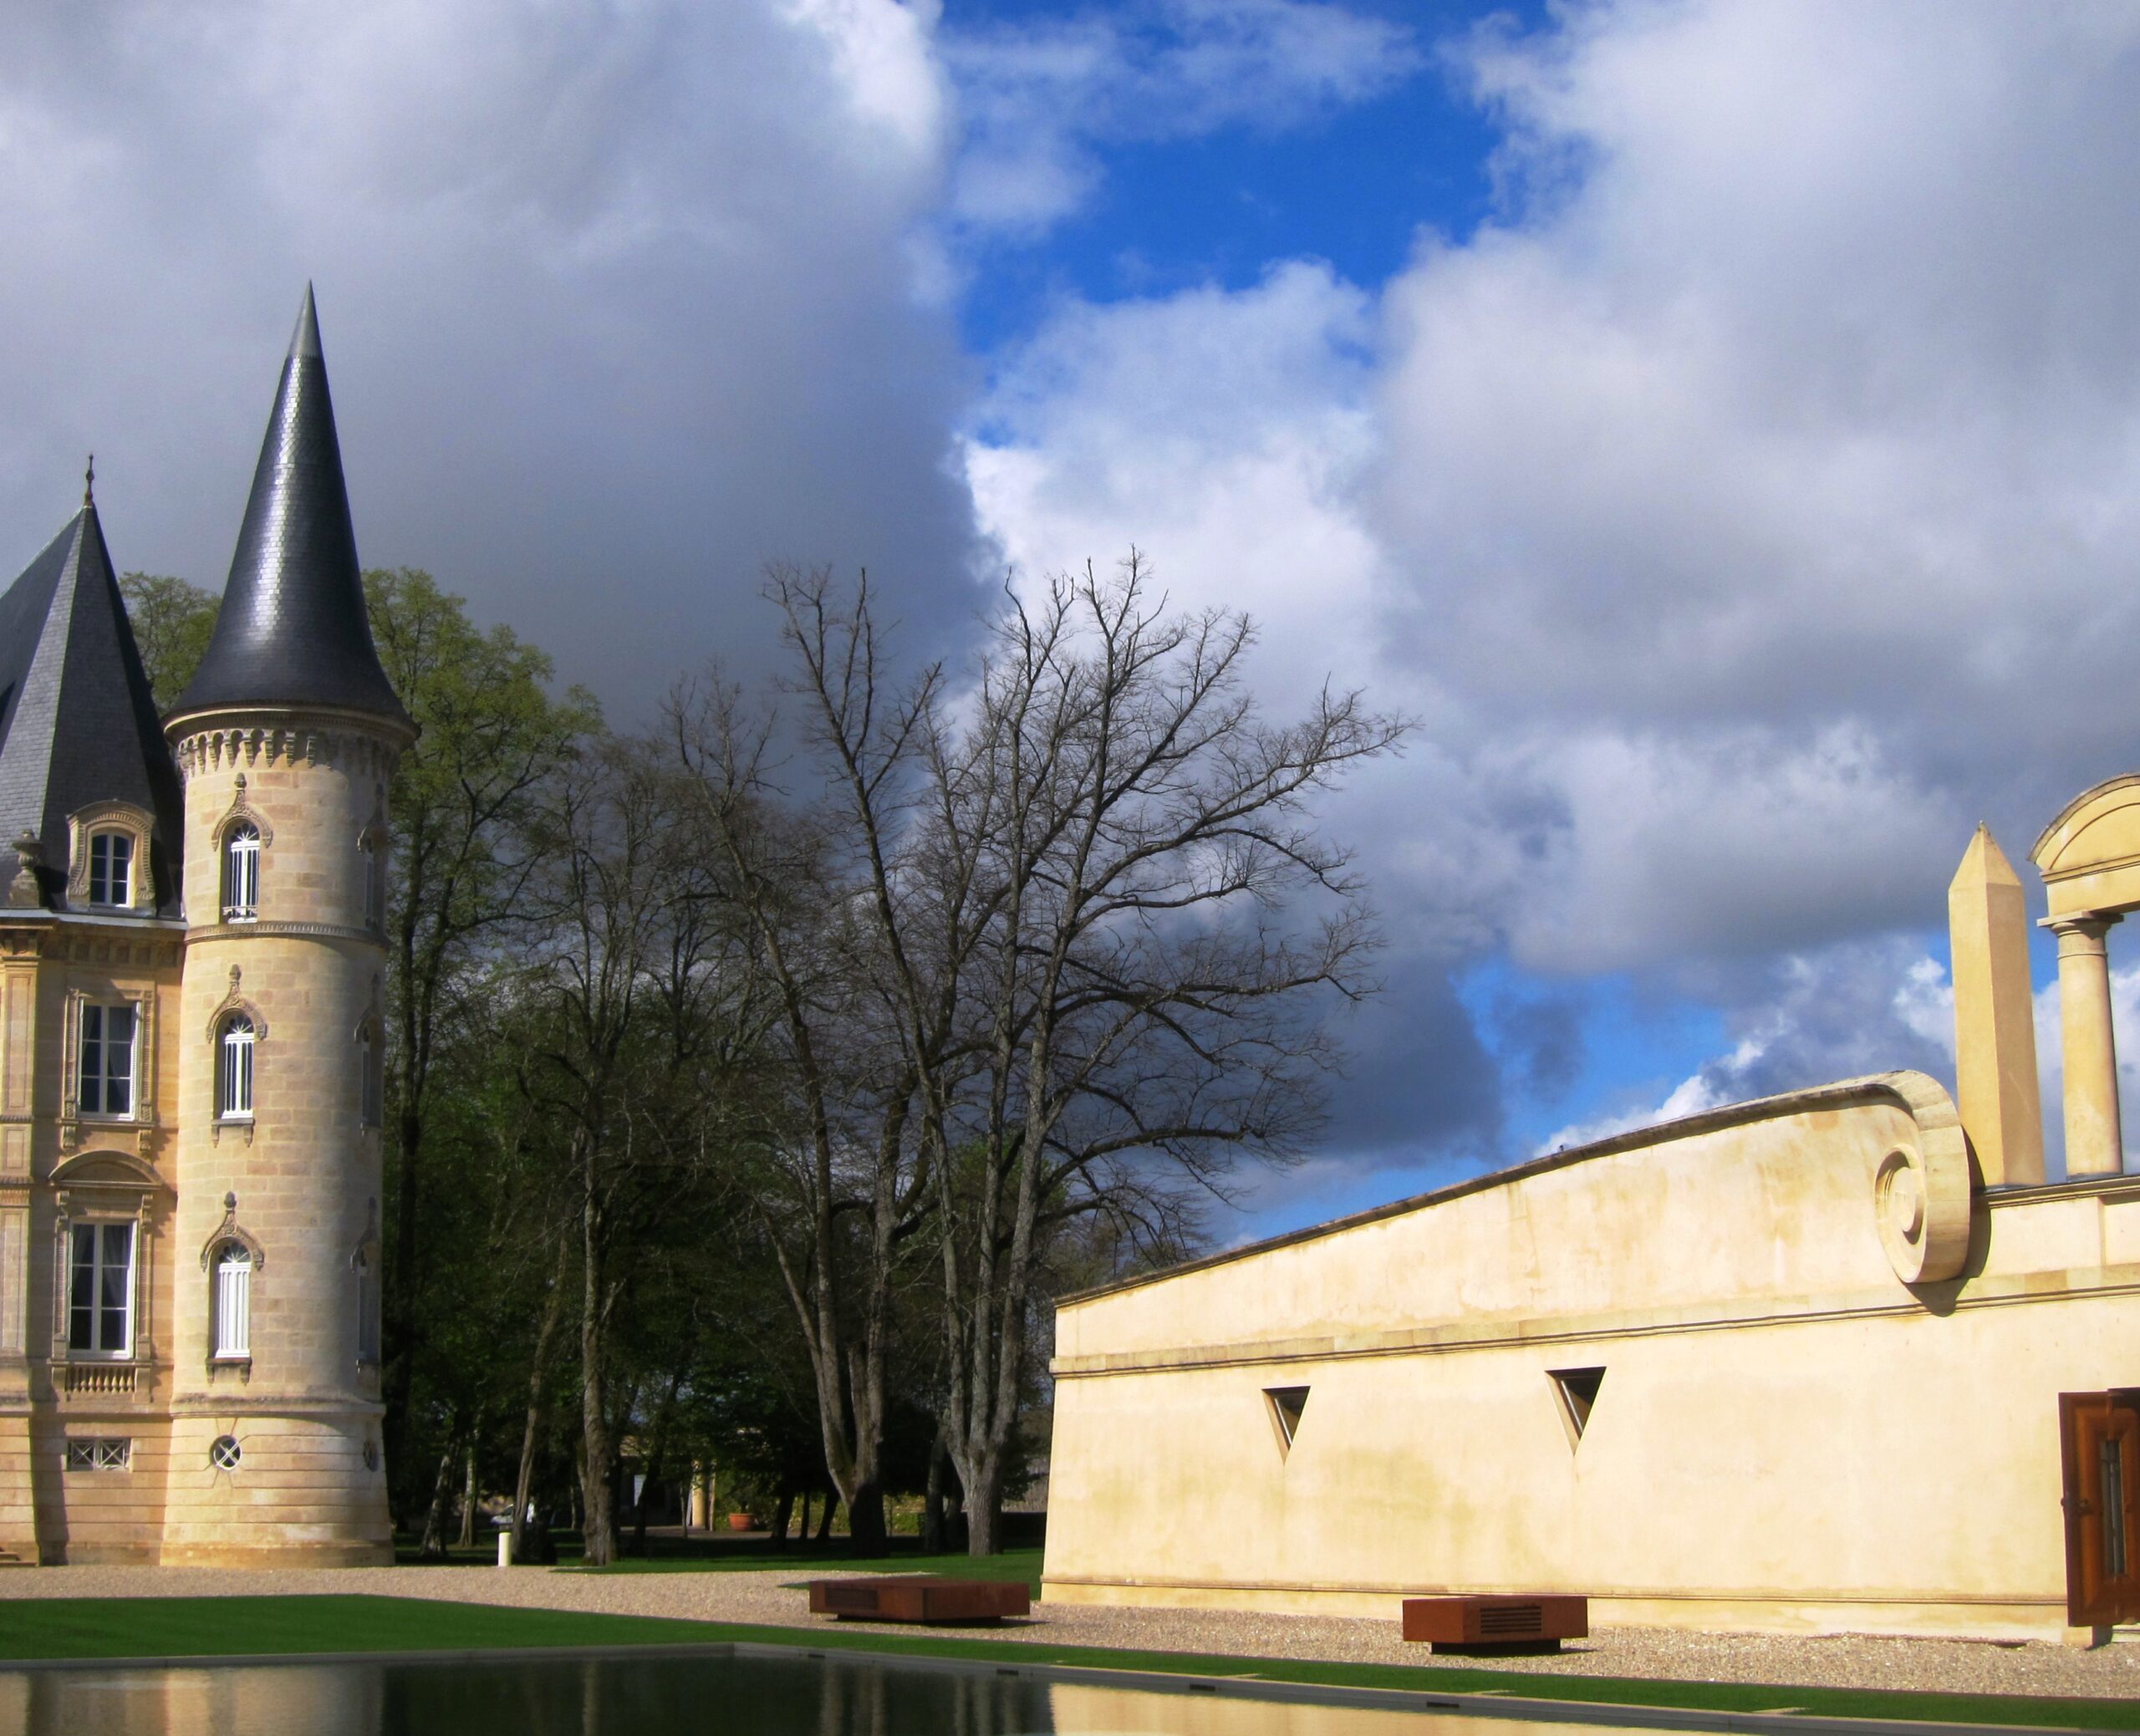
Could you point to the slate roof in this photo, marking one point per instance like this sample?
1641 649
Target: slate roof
77 722
294 630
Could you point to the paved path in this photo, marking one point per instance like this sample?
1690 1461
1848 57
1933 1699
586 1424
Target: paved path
773 1597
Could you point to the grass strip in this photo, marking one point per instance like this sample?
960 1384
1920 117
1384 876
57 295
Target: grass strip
88 1628
1011 1565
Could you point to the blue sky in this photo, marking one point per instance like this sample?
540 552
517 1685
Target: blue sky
1716 421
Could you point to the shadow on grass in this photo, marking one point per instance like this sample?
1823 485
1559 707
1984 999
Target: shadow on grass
730 1554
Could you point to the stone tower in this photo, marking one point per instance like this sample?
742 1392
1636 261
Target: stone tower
285 740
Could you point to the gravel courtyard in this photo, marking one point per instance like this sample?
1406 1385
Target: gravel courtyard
773 1597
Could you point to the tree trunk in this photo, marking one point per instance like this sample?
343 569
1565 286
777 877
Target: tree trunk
932 1500
782 1510
467 1538
983 1508
531 1437
598 1525
433 1546
825 1519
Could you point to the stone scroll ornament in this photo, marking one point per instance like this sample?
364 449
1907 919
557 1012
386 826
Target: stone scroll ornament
1922 1191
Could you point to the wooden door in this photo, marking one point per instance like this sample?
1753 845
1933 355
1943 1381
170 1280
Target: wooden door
2099 1439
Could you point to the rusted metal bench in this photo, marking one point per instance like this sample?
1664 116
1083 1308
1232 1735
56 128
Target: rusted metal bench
932 1602
1490 1625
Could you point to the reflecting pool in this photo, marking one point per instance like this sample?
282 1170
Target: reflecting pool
625 1696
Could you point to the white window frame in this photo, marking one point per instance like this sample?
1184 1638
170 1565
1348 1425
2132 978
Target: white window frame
110 850
98 1013
240 870
237 1045
231 1304
99 1230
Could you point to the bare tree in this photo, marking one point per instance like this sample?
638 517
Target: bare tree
844 1188
1080 873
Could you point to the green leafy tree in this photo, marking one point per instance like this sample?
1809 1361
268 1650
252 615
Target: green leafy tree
462 855
173 622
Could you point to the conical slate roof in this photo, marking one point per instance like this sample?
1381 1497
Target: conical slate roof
294 630
78 724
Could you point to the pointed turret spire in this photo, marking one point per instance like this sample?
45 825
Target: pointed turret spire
294 630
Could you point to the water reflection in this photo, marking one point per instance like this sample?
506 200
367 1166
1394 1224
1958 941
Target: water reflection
658 1697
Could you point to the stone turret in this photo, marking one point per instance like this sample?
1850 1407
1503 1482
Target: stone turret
286 739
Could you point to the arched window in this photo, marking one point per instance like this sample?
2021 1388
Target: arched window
111 867
235 1064
242 872
233 1302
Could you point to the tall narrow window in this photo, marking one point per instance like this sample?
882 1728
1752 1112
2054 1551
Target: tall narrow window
233 1301
367 1311
367 865
100 1289
235 1097
242 872
111 867
368 1079
106 1075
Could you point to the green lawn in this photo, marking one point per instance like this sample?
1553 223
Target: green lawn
205 1627
1015 1564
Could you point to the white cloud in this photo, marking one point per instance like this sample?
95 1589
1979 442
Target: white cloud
614 298
1745 510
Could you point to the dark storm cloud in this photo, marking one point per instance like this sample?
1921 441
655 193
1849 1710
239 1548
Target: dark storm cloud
618 304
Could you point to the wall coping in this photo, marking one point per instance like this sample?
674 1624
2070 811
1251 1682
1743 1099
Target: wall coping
1921 1095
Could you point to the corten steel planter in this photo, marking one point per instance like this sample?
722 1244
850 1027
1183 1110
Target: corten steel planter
1496 1624
933 1602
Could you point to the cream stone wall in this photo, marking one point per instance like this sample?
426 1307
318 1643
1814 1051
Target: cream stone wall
1805 1422
58 1166
301 1182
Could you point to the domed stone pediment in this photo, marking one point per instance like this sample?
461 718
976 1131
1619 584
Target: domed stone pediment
112 1168
2089 855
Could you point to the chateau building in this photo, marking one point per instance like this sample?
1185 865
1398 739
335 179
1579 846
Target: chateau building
1846 1360
191 982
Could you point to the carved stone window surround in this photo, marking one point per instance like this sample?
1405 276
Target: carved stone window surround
104 1187
136 823
72 1120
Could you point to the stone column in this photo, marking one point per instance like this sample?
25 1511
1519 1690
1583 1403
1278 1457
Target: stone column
2094 1144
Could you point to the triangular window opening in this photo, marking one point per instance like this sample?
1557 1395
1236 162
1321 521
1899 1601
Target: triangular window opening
1577 1388
1287 1404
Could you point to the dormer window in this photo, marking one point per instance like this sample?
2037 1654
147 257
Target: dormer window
111 868
108 867
242 872
234 1065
